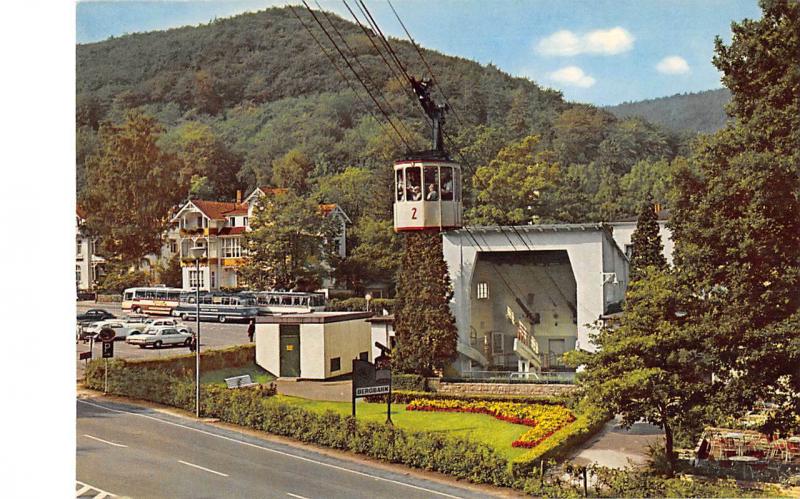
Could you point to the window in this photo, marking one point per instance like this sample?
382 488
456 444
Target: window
128 295
431 183
400 185
77 273
173 246
447 183
78 248
363 356
497 342
336 364
629 251
232 221
244 221
196 278
231 247
213 279
483 290
413 184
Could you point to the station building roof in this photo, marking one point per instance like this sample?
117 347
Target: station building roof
313 318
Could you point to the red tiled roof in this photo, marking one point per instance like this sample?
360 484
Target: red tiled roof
273 190
326 209
231 231
217 210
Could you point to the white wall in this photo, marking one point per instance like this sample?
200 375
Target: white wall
268 347
623 231
381 332
345 340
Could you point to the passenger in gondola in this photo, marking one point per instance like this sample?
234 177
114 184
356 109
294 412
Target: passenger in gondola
432 194
416 194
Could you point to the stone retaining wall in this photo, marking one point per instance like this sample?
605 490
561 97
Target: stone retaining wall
504 389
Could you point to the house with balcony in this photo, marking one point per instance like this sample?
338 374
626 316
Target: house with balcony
219 227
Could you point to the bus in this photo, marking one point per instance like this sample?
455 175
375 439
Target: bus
289 302
217 305
157 300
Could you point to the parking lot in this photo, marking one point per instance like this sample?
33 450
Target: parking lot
212 335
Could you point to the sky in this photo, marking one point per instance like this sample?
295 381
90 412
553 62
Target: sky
602 51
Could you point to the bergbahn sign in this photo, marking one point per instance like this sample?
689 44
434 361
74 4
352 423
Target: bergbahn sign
373 379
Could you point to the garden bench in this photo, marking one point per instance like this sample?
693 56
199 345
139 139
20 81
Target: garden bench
240 381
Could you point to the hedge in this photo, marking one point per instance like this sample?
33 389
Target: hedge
406 396
210 360
359 304
410 382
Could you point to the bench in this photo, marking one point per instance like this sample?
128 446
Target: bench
240 381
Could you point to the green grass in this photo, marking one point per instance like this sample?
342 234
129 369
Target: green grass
477 427
218 376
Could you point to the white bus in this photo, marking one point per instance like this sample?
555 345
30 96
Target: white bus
158 300
217 305
289 302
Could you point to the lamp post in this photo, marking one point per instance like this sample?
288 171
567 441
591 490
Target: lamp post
197 252
368 297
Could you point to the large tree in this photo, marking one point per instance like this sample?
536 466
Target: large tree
424 325
131 187
290 245
736 217
509 187
651 366
646 240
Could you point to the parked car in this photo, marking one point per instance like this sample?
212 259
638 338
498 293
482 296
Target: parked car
122 329
160 337
95 314
156 323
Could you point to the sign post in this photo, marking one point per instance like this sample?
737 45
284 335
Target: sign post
106 335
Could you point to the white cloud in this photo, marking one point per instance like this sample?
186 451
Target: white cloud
602 41
573 76
673 65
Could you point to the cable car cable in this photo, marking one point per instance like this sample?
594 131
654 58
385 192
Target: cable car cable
346 80
363 69
402 79
356 75
424 60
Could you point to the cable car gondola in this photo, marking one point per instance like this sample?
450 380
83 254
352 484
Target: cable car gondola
427 185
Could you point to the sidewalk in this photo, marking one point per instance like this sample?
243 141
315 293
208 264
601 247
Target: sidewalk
334 391
615 447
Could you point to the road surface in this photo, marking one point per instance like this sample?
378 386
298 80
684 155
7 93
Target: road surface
125 450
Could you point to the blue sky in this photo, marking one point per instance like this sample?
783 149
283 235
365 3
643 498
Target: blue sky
601 51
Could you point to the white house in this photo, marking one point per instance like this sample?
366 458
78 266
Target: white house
219 227
524 295
88 265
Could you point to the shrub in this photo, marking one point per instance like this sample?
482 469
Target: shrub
210 360
406 396
358 304
412 382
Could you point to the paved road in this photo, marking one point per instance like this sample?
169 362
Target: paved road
212 335
136 452
615 447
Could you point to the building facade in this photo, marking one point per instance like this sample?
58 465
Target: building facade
88 264
219 227
525 295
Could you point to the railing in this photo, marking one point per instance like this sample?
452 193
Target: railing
565 377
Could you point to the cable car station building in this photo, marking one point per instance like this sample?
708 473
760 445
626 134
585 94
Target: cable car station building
524 295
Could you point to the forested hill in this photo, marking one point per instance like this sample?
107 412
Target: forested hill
694 112
241 101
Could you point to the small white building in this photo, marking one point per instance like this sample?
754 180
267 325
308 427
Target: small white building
524 295
382 331
318 346
88 264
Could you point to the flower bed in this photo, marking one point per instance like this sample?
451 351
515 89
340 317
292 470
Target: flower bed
544 419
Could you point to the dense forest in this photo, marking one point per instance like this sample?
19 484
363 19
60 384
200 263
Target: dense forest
239 102
688 112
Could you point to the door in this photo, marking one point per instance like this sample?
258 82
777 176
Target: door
290 350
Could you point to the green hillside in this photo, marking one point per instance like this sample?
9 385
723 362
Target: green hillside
694 112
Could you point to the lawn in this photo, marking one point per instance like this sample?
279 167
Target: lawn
477 427
218 376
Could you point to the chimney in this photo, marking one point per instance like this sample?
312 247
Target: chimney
238 196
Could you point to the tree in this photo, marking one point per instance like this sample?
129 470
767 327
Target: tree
376 254
648 180
354 190
508 188
425 327
170 274
290 245
578 133
651 365
292 171
736 216
647 248
131 186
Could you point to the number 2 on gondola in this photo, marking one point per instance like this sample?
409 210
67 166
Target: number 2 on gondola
413 213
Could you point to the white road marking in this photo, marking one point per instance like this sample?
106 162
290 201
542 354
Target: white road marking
201 468
287 454
295 495
86 488
104 441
